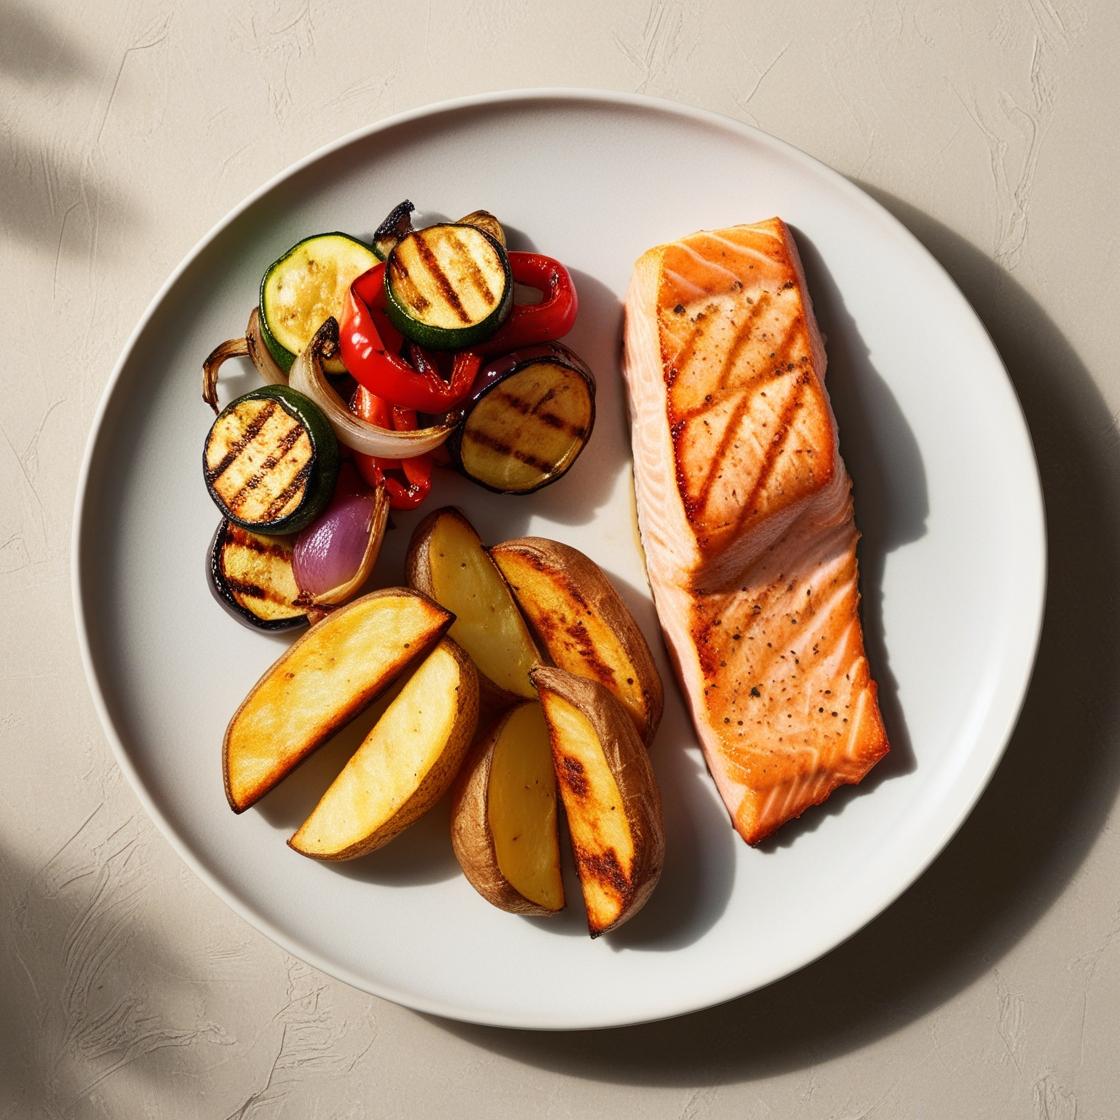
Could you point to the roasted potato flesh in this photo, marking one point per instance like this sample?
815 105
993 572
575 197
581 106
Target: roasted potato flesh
403 766
521 808
322 681
582 622
448 562
504 819
610 796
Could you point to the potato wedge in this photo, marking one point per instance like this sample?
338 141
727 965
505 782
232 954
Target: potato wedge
447 560
321 682
583 623
403 766
610 796
504 820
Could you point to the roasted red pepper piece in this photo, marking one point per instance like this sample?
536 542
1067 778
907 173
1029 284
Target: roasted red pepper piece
546 321
370 349
417 471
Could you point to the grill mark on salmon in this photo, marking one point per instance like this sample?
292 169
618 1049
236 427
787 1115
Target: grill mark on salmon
720 392
748 529
731 433
773 453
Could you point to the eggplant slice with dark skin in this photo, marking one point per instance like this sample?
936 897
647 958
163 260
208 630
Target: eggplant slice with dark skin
252 577
527 421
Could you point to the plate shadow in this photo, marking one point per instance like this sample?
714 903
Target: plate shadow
998 876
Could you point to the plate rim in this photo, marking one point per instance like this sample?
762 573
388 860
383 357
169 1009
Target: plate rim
1034 508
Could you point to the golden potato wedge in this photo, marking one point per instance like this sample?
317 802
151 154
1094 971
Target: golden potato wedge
321 682
504 821
447 560
583 623
403 766
610 796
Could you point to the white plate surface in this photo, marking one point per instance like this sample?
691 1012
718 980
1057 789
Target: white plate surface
952 558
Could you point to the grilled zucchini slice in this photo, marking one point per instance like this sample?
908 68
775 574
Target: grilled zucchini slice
270 460
252 578
305 286
448 286
527 421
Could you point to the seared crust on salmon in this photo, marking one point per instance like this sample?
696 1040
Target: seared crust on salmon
746 518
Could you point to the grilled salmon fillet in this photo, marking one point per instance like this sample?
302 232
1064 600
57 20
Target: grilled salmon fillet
745 513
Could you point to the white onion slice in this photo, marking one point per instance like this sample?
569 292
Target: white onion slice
307 377
260 354
252 345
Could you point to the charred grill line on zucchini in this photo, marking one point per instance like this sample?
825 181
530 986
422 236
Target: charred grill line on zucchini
251 488
270 460
443 283
448 286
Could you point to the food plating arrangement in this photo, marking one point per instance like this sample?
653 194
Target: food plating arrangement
511 676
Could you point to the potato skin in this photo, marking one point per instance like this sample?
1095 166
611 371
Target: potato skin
629 763
471 838
582 585
437 780
345 711
418 574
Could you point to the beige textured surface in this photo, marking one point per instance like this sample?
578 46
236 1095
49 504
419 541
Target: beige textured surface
992 989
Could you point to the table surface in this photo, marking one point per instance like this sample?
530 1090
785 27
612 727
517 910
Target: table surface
991 989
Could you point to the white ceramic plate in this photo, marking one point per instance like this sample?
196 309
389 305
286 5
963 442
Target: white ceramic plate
952 560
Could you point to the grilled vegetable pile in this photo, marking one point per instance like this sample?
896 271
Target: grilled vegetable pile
414 351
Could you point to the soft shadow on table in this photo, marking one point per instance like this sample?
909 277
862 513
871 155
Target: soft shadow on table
1033 827
40 181
84 989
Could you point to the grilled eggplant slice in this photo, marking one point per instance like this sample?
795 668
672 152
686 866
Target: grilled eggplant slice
529 417
252 577
448 286
305 286
270 460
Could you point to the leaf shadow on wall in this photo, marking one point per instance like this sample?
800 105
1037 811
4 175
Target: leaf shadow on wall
52 200
1035 824
87 992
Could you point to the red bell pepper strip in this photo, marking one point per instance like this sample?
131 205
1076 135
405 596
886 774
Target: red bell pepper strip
546 321
417 471
370 347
